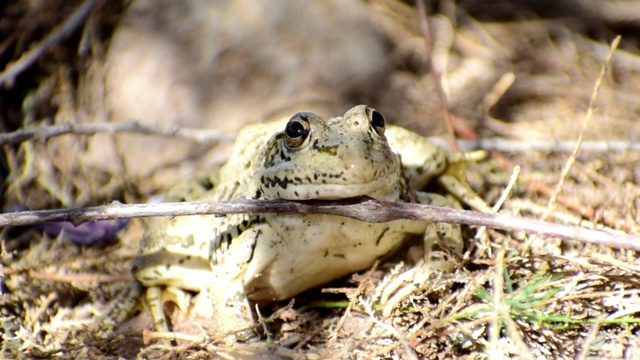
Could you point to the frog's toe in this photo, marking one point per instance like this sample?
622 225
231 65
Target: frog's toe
441 240
400 288
414 280
155 299
177 296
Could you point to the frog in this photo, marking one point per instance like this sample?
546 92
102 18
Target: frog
240 260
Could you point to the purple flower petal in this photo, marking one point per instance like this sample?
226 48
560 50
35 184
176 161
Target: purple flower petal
89 233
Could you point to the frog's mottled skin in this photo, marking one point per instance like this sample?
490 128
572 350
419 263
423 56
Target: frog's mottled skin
276 256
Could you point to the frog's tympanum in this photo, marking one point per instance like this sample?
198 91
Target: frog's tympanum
268 257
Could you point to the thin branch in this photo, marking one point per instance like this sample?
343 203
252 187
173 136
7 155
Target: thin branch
592 103
524 145
64 30
211 136
363 208
44 132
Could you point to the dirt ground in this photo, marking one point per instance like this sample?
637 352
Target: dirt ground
521 80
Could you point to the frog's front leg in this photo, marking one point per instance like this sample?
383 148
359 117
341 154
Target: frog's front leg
169 269
435 258
232 270
166 274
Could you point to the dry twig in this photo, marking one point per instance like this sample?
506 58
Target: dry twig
27 59
362 208
45 132
526 146
210 136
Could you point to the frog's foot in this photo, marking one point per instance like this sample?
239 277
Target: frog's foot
436 261
454 181
440 241
156 297
227 311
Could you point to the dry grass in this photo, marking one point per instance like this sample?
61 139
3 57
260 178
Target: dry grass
512 71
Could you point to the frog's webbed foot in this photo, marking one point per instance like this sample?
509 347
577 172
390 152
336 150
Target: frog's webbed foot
435 261
228 310
156 297
441 240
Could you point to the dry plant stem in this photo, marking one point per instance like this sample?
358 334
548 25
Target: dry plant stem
442 96
523 350
408 351
587 120
584 210
586 346
498 303
234 351
27 59
149 336
79 278
41 309
362 208
497 91
496 207
615 262
44 132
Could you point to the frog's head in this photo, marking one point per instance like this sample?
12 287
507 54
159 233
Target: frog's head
344 157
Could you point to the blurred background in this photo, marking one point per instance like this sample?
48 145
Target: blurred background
515 69
521 71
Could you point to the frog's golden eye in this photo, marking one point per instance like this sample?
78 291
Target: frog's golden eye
377 121
297 131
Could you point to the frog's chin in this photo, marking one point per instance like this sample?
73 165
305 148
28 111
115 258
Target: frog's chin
380 189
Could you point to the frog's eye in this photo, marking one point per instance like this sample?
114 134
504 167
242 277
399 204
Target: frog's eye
297 131
377 121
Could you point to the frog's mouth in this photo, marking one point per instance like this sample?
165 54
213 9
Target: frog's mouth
298 189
